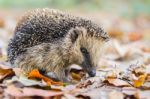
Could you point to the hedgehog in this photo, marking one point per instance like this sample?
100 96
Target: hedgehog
51 40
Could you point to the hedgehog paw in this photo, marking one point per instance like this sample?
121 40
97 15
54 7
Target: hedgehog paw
52 76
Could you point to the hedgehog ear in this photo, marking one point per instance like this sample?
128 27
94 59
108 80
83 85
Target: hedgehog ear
74 33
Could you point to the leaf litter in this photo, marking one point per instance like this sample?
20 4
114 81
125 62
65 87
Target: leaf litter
123 72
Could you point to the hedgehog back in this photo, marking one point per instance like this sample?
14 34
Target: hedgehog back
39 26
47 26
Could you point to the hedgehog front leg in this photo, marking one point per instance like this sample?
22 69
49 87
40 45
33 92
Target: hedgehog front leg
60 72
27 64
52 75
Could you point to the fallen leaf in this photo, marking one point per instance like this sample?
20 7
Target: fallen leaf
113 73
137 70
148 78
5 73
14 91
36 74
139 81
25 81
91 83
118 34
135 36
92 94
144 94
76 73
84 84
145 86
76 76
40 92
130 93
146 49
117 82
99 93
68 96
24 92
129 90
115 95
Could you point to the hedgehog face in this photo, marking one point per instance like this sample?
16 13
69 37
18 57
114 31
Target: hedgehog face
86 50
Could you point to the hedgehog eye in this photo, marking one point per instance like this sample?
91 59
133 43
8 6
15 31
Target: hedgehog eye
84 50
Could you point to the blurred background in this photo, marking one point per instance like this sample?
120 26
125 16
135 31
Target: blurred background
124 20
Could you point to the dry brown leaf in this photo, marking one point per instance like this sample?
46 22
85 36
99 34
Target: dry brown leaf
23 80
139 75
113 73
68 96
97 93
24 92
148 78
146 49
137 70
84 84
130 92
5 73
117 82
144 94
40 92
14 91
115 95
36 74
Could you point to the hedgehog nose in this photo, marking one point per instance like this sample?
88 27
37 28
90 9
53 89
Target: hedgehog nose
92 73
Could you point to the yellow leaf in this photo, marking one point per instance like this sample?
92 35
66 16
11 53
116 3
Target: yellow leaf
140 81
76 76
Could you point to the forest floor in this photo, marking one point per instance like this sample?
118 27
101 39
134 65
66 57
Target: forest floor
123 71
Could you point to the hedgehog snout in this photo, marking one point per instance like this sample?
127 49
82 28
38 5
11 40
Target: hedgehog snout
92 73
